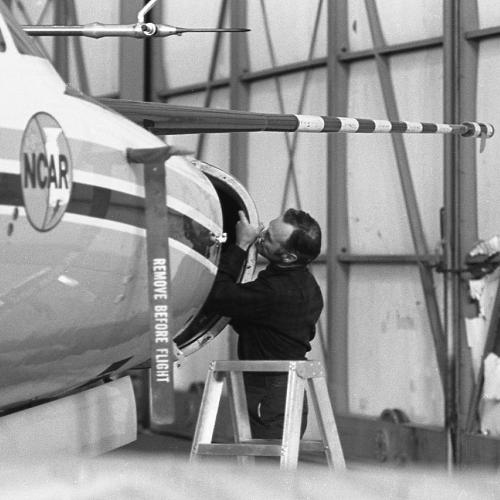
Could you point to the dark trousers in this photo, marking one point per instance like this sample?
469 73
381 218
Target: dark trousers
266 397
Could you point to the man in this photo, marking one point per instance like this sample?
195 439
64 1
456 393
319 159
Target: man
274 315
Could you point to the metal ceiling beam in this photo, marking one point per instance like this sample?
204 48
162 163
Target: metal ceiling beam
468 204
450 234
391 50
61 44
239 92
461 213
132 57
483 33
78 50
386 259
155 60
321 62
192 88
337 304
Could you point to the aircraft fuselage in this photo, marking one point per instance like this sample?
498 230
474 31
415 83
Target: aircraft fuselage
73 282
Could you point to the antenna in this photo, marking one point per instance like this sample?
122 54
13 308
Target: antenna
139 30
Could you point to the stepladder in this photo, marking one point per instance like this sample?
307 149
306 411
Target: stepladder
302 376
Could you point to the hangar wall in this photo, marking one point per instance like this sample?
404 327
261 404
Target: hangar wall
402 209
390 360
379 199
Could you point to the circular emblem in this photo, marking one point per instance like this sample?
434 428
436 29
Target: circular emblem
46 171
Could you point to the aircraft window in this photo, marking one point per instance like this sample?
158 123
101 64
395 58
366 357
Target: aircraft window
126 208
10 190
81 199
24 44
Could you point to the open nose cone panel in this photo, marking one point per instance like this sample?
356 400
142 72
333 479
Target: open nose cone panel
233 197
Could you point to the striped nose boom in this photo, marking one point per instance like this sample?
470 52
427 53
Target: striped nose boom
163 118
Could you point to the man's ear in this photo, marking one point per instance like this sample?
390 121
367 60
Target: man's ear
288 258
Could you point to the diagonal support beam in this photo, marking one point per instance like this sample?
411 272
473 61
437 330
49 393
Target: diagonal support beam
291 144
239 91
26 16
211 72
412 210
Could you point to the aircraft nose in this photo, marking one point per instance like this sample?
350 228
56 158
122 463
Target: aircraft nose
233 197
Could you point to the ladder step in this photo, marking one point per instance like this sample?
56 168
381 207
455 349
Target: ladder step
255 447
312 446
306 445
237 449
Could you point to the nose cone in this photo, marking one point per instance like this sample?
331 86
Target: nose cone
194 219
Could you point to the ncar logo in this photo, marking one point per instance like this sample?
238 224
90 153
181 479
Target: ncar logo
46 171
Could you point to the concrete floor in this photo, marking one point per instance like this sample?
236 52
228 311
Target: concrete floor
157 467
150 443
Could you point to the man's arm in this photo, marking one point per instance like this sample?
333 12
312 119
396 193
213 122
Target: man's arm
238 301
233 258
246 233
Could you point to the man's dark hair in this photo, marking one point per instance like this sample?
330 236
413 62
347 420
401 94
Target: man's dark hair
305 241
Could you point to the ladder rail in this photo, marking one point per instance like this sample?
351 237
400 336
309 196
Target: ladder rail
326 422
207 415
292 421
239 412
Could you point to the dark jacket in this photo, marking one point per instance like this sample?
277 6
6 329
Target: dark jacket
274 315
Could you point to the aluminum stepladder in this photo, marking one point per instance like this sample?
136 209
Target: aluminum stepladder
301 375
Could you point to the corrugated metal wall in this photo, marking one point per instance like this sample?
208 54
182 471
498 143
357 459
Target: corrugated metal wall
391 361
389 337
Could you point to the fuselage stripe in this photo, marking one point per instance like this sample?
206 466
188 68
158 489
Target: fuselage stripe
9 166
115 207
133 189
72 218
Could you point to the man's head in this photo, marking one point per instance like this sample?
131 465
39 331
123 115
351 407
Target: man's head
293 238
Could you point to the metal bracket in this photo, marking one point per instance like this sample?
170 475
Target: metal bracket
218 239
142 13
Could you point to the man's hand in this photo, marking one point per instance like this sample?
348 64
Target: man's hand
246 233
